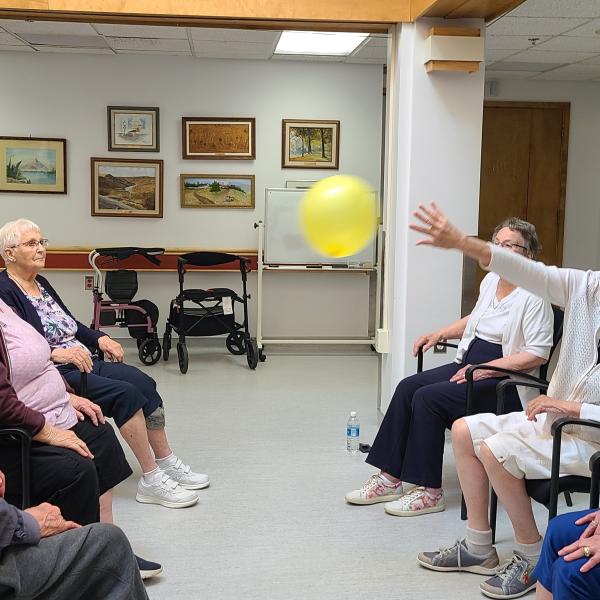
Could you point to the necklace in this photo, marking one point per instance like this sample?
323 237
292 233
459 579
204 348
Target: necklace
37 287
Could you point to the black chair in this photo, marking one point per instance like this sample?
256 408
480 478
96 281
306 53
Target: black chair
23 439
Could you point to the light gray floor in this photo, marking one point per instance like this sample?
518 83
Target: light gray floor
274 525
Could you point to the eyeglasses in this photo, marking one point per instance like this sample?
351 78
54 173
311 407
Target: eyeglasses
511 246
33 244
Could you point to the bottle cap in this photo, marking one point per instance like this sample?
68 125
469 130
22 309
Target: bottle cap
353 413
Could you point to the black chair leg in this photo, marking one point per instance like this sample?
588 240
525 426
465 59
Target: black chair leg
493 514
568 499
463 509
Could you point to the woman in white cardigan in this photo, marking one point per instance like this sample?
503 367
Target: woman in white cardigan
508 328
506 449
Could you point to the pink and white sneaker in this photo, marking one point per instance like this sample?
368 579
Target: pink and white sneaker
416 502
375 490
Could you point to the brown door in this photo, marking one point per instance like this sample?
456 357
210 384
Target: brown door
523 174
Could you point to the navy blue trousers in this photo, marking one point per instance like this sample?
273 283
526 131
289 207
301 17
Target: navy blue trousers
410 442
563 579
119 389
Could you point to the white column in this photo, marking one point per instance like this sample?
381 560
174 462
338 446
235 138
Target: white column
433 153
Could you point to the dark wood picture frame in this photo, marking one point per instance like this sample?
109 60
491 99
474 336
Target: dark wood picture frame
112 113
119 184
15 179
287 162
219 127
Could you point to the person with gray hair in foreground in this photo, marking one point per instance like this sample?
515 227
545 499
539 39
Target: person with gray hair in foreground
44 557
505 450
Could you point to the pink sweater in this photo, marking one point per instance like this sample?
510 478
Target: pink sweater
32 374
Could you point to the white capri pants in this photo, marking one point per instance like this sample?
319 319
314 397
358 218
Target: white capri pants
524 448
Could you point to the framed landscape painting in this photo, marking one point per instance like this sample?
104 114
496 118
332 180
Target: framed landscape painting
127 187
310 144
33 165
216 138
133 129
217 191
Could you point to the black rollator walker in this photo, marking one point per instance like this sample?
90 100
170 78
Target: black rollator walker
121 285
200 313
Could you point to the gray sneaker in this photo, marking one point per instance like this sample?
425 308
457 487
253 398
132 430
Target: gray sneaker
458 558
512 580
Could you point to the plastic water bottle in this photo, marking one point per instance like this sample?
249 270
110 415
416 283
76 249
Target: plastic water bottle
352 433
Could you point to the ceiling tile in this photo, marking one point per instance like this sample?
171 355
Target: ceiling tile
232 50
366 61
511 42
510 74
209 34
592 61
508 65
561 75
142 31
550 57
533 26
68 50
494 55
155 52
9 40
557 8
372 52
47 27
149 44
564 43
587 30
16 49
378 40
75 41
307 58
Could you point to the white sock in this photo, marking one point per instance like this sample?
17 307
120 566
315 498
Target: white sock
530 551
153 475
389 481
167 461
479 542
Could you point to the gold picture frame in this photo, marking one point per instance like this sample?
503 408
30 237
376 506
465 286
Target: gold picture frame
218 138
217 191
310 144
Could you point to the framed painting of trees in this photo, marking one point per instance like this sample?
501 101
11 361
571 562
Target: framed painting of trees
310 144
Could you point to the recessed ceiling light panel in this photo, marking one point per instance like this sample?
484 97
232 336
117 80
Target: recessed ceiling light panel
319 43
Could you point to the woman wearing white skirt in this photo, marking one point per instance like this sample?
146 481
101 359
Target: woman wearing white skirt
506 449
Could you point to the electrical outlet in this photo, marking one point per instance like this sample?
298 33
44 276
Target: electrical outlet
438 349
89 282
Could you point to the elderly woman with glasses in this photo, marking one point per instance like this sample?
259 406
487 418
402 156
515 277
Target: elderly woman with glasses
123 392
507 449
508 328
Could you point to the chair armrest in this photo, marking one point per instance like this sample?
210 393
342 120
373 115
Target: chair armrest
24 438
420 353
542 386
556 430
502 371
595 485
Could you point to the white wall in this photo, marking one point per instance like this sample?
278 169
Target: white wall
582 207
66 96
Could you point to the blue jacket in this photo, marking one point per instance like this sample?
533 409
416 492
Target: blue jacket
14 297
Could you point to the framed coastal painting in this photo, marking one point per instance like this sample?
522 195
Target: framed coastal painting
127 187
33 165
216 138
217 191
133 129
310 144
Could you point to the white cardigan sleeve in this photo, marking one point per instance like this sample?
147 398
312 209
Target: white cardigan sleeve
551 283
590 411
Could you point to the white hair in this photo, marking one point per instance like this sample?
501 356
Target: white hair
10 234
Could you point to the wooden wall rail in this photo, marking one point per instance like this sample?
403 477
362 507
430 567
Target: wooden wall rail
70 259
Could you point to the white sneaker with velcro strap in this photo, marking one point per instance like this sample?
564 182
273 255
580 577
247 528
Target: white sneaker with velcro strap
166 492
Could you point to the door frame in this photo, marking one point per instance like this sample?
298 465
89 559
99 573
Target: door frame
564 154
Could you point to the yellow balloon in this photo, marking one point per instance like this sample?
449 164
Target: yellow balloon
339 215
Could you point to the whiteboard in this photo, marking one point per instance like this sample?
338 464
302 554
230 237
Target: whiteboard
284 242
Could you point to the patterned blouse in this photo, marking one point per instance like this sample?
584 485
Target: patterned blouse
60 329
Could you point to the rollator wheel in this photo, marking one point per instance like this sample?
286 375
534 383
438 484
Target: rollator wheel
236 343
150 351
261 355
139 342
182 357
252 353
166 346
